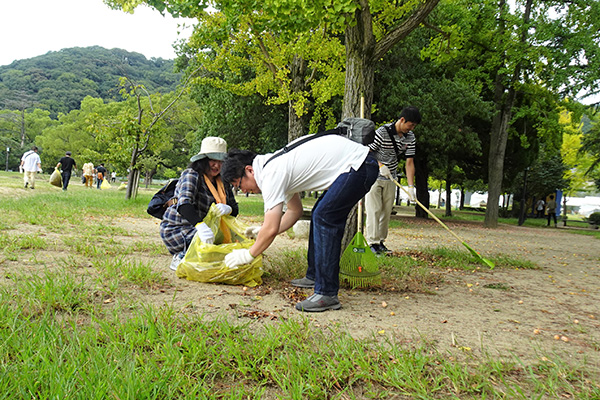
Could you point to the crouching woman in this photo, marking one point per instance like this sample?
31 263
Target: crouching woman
199 186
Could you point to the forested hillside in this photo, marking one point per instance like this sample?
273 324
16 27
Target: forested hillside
59 81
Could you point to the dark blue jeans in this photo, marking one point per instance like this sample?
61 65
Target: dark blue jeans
66 177
328 222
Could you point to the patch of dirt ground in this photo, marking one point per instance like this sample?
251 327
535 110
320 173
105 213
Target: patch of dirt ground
548 312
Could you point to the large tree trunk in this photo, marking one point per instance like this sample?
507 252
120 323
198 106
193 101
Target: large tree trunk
504 98
499 137
360 64
363 52
296 124
351 226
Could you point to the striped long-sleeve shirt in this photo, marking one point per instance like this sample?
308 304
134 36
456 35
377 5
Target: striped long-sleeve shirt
383 147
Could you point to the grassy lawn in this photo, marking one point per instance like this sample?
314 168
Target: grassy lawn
57 341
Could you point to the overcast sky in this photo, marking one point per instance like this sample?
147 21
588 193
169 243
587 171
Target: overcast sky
29 28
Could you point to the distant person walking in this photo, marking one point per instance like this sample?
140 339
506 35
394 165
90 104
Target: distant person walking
100 175
113 176
540 205
31 165
67 166
551 210
88 174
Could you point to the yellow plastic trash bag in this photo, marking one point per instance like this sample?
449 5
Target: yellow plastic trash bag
122 186
105 185
204 262
56 178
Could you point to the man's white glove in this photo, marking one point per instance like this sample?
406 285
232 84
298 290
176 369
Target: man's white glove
411 193
204 233
252 232
223 209
238 257
385 172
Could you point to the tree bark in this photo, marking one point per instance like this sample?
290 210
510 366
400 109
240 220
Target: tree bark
360 64
363 52
148 176
504 98
448 212
133 179
23 134
421 178
296 123
351 227
499 137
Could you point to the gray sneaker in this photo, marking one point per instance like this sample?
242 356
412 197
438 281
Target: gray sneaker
318 303
303 282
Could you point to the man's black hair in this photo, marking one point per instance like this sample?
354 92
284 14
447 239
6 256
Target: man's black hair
34 148
235 163
411 114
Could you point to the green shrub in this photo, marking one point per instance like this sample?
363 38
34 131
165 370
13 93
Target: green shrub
594 218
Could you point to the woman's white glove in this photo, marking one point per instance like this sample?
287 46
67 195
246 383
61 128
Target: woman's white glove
252 232
222 209
411 193
204 233
385 172
238 257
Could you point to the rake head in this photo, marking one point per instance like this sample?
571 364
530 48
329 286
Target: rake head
358 265
360 279
478 256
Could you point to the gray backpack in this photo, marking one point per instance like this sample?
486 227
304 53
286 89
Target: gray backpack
360 130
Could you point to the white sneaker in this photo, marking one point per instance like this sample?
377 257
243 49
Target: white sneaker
177 259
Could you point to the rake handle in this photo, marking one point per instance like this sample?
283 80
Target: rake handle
432 215
359 227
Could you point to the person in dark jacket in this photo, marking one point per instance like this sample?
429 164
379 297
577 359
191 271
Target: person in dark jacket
100 175
67 166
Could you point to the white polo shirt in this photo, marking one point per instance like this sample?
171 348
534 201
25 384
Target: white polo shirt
314 165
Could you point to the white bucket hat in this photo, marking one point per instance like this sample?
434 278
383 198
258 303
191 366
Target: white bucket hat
212 147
